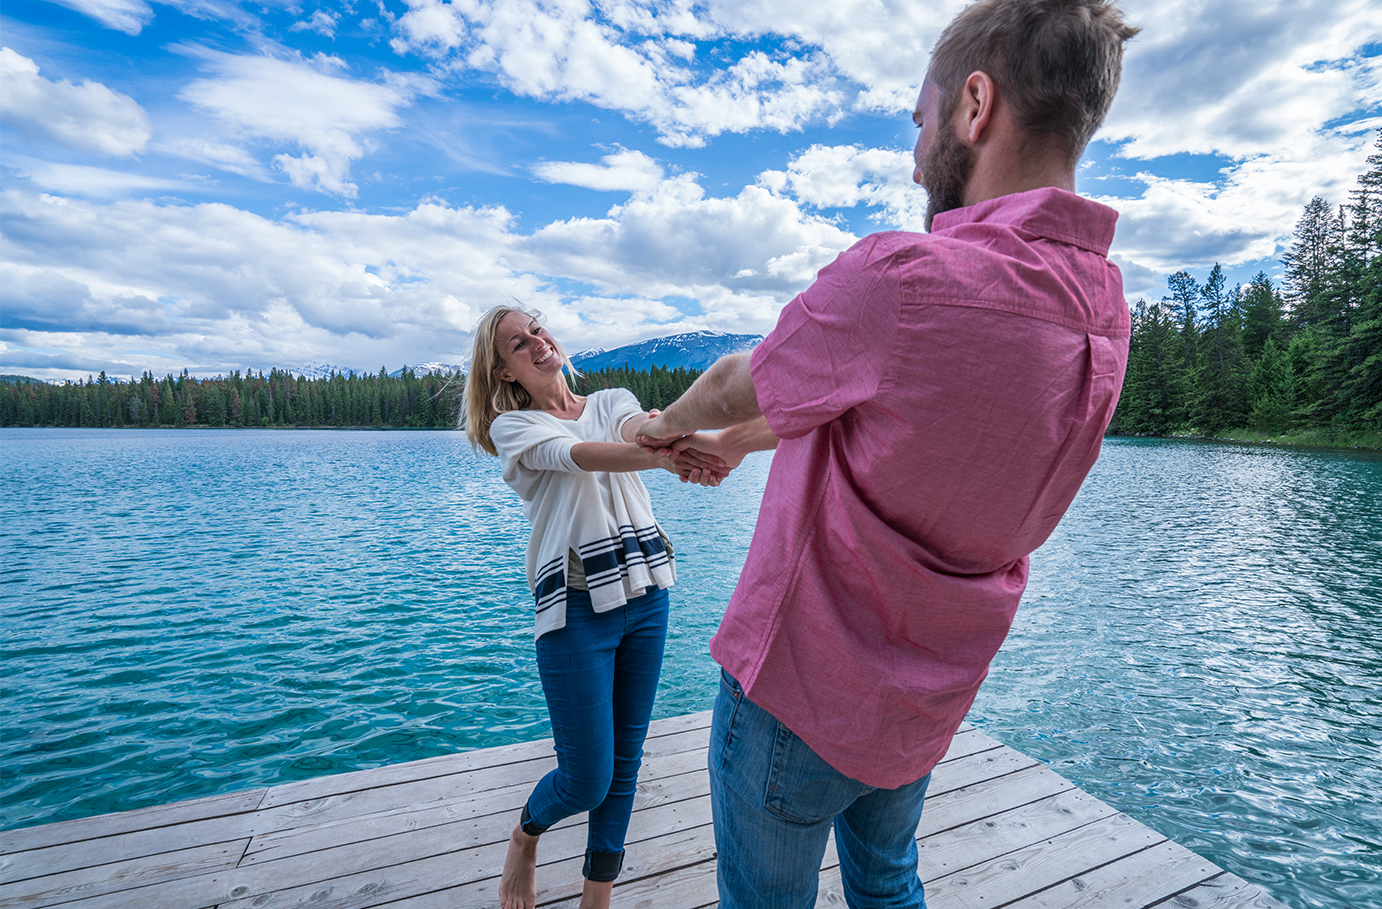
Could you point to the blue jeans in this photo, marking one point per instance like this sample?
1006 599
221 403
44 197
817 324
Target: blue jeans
774 801
599 674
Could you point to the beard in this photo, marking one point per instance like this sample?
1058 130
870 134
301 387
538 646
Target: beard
947 168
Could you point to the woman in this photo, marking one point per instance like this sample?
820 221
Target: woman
599 568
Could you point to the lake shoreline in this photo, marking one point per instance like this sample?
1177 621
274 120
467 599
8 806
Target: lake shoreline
1311 439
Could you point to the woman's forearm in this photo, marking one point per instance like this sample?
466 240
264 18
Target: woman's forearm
616 457
751 436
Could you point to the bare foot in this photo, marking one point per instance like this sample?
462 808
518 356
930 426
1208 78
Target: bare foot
518 884
595 894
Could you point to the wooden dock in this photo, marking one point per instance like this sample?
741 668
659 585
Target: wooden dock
999 830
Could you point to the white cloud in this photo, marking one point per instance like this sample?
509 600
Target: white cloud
1249 215
301 102
89 116
1240 79
629 58
843 176
91 182
226 288
230 158
631 171
128 16
321 22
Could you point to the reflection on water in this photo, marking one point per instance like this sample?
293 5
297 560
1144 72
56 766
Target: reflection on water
188 613
1198 647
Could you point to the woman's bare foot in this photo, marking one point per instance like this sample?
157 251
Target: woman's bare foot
518 884
595 894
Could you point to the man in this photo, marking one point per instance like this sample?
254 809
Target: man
939 399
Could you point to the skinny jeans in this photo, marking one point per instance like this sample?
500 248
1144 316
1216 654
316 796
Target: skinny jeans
599 675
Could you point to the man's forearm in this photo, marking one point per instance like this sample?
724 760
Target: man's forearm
723 396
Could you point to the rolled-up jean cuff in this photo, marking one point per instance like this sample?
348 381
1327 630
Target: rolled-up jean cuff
526 821
602 867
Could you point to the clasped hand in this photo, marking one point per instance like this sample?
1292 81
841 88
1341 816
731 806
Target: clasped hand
696 458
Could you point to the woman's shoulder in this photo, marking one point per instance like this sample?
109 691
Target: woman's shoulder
526 417
608 398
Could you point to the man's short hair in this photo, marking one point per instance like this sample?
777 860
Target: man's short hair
1057 62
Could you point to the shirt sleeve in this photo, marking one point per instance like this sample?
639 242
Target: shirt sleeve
623 406
532 443
832 345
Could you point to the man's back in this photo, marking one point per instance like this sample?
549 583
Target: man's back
941 398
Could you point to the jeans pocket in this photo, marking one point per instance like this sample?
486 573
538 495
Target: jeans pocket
802 787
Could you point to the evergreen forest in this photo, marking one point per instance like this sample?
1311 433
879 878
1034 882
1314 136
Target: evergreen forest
1296 361
280 399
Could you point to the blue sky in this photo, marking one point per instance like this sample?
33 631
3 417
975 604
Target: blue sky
211 185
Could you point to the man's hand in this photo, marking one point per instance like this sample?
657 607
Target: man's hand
696 465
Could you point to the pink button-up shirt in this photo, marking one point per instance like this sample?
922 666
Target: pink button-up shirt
940 398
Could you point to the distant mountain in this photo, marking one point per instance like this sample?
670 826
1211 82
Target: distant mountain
693 350
20 380
319 371
423 369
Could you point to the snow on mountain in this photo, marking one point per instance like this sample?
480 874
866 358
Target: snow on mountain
422 369
692 350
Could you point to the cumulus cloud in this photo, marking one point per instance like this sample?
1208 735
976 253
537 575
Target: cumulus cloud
1242 80
306 104
227 288
1249 215
631 171
844 176
630 58
89 116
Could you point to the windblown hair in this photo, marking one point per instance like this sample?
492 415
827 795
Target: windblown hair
487 395
1057 62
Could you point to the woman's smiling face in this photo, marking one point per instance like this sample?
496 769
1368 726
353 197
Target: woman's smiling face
526 351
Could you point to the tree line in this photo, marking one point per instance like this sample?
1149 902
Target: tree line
1300 358
279 399
408 400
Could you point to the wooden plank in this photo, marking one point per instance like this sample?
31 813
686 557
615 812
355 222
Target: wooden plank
968 743
1135 882
479 767
115 877
346 806
1225 891
989 797
984 839
659 837
1031 869
670 778
977 768
88 828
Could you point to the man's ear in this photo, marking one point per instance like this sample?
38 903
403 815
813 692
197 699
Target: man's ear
974 111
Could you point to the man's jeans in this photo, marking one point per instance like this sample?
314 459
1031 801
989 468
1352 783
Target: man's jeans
774 802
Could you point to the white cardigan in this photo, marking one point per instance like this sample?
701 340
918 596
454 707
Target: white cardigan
607 518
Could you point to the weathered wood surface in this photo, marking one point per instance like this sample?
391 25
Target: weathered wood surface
999 830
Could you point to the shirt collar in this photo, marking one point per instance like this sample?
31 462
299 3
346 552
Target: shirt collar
1047 212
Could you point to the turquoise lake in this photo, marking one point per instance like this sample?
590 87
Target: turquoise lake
196 612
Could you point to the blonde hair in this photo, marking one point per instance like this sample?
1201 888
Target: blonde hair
487 395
